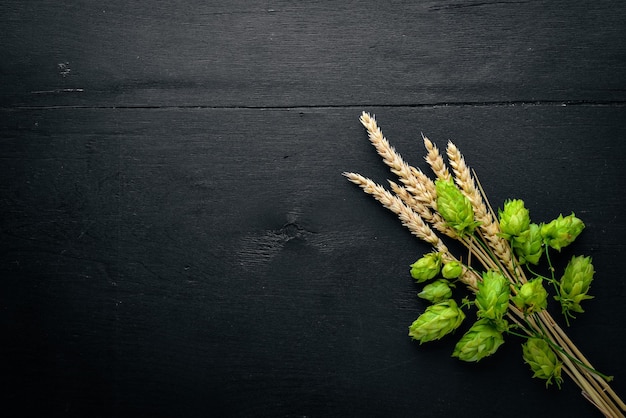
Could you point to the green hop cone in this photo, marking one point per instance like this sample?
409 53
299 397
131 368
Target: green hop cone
437 321
452 270
542 360
436 291
532 297
492 296
426 267
480 341
575 284
562 231
454 207
528 245
514 218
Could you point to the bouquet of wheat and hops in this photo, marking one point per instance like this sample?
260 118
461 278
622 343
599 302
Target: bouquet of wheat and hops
509 296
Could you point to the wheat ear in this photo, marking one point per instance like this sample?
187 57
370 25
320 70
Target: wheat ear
412 178
432 217
425 191
435 160
488 223
409 218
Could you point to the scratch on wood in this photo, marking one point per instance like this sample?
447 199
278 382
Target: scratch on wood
477 4
64 69
57 91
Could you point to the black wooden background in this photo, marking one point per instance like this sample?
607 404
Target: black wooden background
176 236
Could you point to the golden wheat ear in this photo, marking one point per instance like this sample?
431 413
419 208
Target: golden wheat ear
413 221
416 182
435 160
483 213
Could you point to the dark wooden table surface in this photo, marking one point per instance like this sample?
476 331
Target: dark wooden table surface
176 236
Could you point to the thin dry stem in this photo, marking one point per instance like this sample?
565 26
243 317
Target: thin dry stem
584 378
566 343
477 251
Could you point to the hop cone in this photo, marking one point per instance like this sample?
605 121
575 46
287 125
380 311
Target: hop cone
514 218
542 360
454 207
532 297
575 283
452 270
481 340
426 267
528 245
562 231
436 291
437 321
492 297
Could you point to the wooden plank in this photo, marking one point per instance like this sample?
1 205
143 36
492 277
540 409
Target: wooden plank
288 53
214 261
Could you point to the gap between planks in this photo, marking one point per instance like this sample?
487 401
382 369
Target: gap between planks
528 103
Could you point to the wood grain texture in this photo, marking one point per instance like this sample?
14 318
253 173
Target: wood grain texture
176 238
215 260
289 53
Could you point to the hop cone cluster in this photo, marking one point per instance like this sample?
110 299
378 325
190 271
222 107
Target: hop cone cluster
492 297
480 341
514 218
528 245
426 267
542 360
452 270
455 208
575 284
562 231
437 321
529 240
525 236
532 297
437 291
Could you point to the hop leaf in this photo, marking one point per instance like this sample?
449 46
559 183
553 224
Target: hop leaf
480 341
452 270
514 218
454 207
436 291
542 360
532 297
437 321
426 267
562 231
528 245
574 284
492 296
